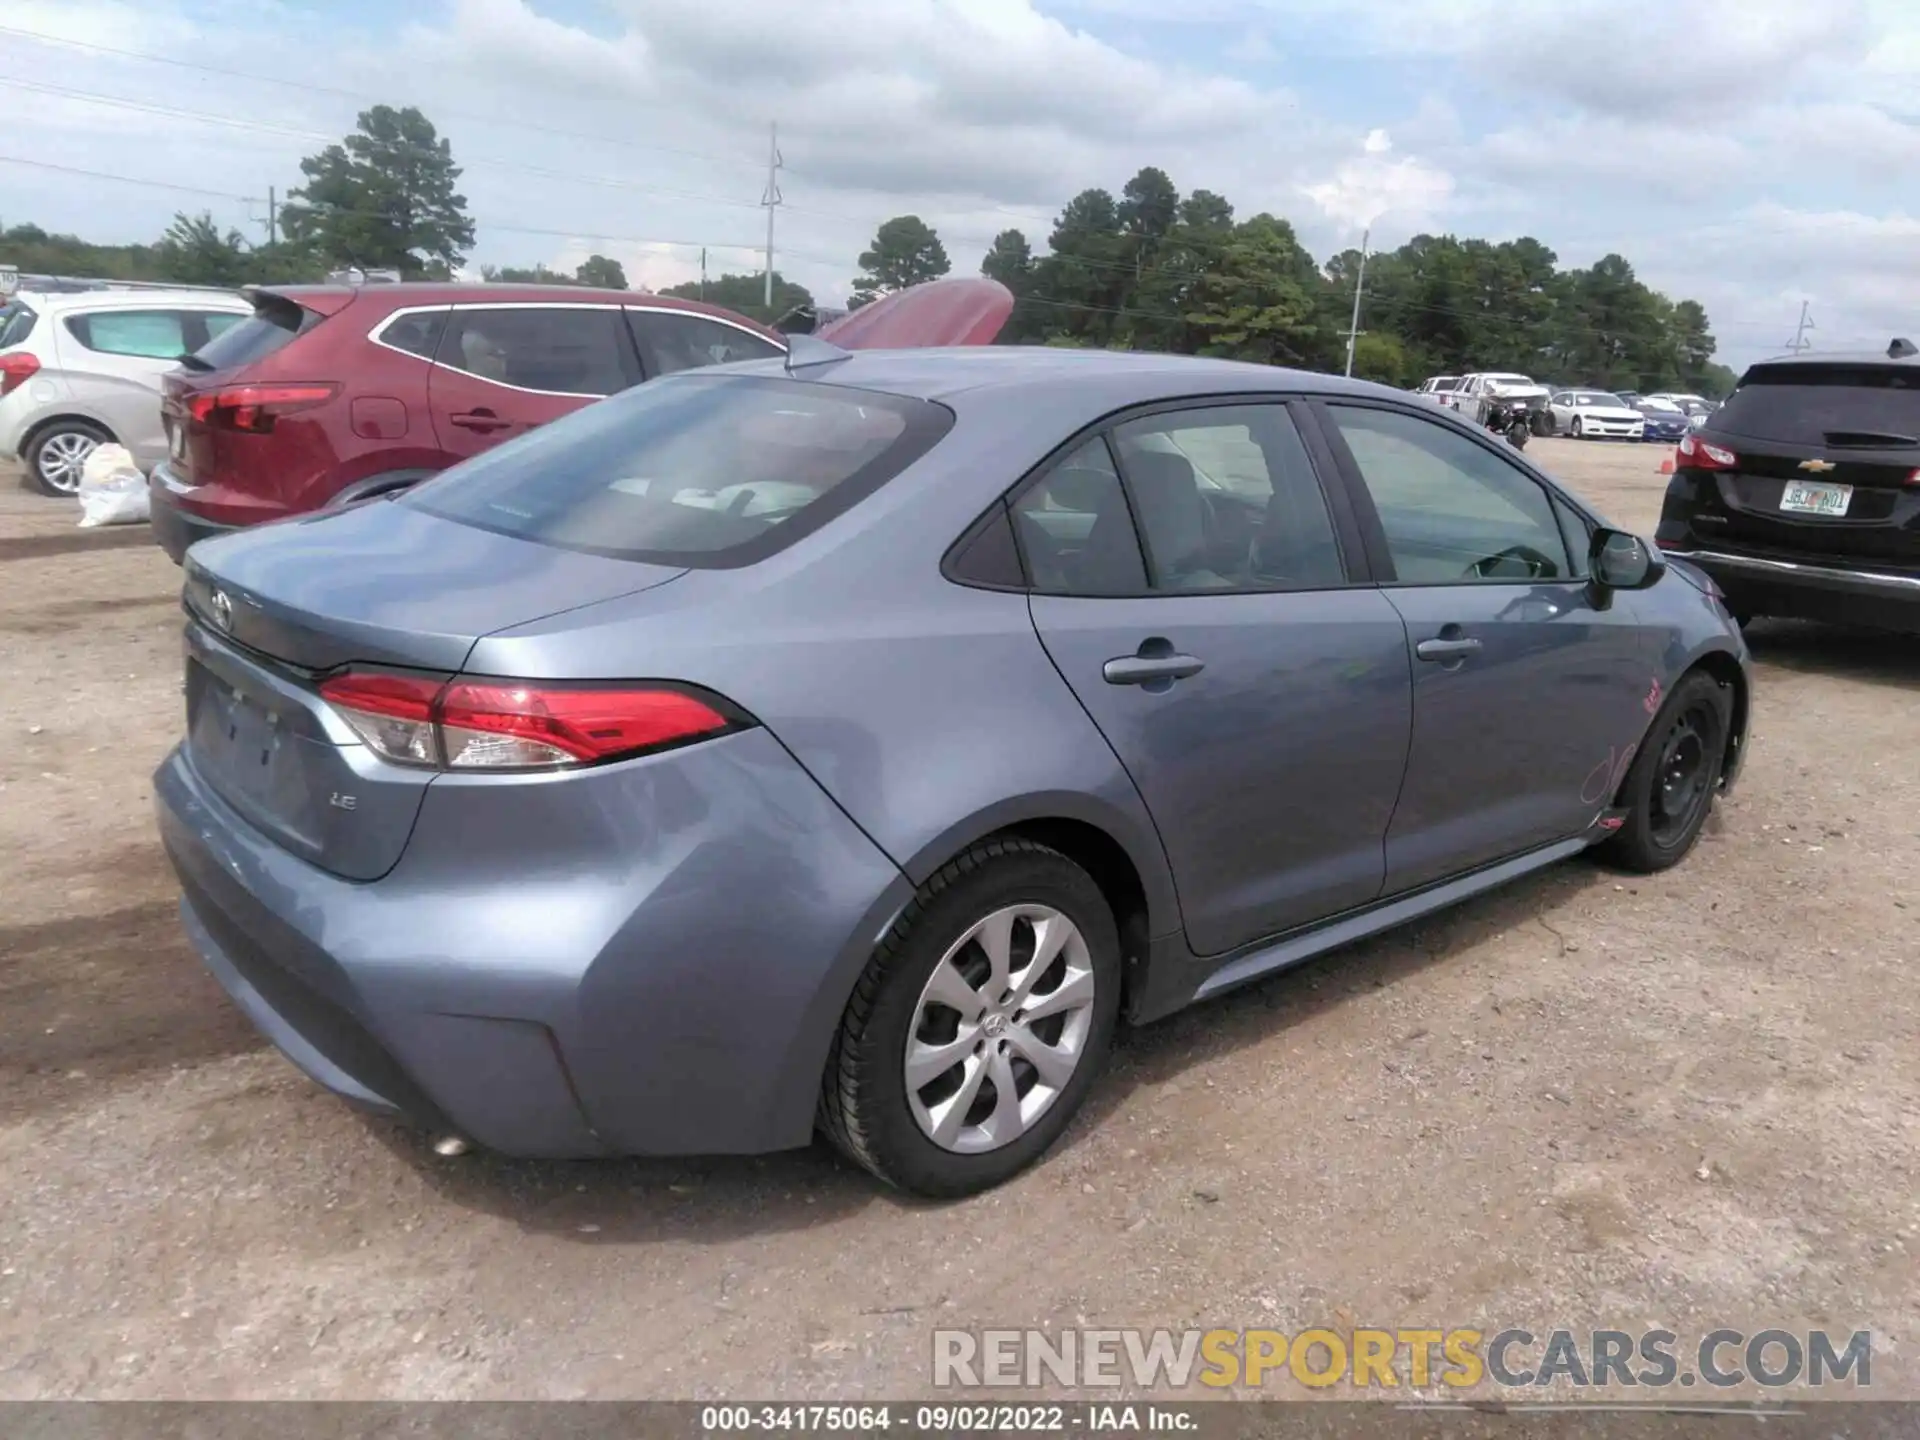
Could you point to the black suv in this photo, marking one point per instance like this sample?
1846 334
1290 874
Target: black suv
1801 495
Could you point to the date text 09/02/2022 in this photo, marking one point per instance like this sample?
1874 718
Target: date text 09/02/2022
946 1419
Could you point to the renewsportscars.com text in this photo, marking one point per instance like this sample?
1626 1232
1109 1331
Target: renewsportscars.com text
1367 1359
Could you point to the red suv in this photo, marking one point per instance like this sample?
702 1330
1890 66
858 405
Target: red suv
331 393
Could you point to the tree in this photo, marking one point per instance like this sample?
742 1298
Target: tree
384 198
905 252
1251 304
743 294
194 251
537 274
602 273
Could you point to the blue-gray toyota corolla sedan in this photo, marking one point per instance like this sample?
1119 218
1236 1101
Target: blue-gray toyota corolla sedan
850 743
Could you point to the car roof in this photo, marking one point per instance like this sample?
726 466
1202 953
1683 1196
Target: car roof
1114 378
115 299
401 295
1843 357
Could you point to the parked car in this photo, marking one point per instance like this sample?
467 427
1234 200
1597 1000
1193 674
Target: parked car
855 739
1477 392
1630 398
1662 420
1440 389
1801 494
84 367
1594 414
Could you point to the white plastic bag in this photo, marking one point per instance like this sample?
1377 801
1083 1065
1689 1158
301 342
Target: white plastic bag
112 489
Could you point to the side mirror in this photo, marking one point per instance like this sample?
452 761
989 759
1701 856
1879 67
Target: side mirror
1619 561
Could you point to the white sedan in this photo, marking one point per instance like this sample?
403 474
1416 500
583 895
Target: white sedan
1595 414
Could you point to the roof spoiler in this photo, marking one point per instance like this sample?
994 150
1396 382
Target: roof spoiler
1902 349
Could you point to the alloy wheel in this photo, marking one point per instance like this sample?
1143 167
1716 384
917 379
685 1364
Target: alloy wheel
63 458
1000 1028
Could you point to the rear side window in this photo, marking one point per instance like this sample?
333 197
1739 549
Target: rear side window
699 470
16 323
671 341
556 349
1825 405
272 326
1076 530
417 333
151 334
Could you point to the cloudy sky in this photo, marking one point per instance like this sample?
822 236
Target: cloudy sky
1745 153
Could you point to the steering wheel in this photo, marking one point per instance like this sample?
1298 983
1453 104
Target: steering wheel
1487 567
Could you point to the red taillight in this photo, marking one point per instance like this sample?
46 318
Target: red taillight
1697 454
1913 478
16 369
517 725
254 408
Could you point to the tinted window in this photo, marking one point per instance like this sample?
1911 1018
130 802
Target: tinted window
1803 404
697 470
1075 529
563 351
1226 498
671 341
989 556
16 323
1454 512
152 334
417 334
217 322
273 324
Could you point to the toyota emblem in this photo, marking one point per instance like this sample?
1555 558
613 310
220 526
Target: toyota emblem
222 610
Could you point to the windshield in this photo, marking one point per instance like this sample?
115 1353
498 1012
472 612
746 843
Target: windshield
1600 397
273 325
691 470
1508 380
1666 405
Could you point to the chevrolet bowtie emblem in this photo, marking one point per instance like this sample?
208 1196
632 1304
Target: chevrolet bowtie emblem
1818 467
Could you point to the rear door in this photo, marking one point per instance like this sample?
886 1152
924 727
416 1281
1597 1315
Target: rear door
1254 686
501 370
1527 700
1827 460
113 361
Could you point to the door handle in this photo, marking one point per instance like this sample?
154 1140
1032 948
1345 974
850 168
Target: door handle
1455 649
481 420
1145 669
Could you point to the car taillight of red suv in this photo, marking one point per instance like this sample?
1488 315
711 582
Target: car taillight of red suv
329 394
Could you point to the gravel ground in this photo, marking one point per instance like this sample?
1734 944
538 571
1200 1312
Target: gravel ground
1588 1100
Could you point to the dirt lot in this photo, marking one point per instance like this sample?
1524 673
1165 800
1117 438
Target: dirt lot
1586 1101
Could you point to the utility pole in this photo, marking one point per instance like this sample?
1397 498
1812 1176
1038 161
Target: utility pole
703 274
1800 341
273 216
1359 288
771 199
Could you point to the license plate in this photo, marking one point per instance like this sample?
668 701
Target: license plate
1816 499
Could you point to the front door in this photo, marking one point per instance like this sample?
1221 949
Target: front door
1527 699
1259 700
500 370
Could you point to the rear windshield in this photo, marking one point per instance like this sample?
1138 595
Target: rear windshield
693 470
1873 406
16 323
273 324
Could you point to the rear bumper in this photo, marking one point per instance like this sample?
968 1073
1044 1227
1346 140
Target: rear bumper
175 527
1767 585
648 958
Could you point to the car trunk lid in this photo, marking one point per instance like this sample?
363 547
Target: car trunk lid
274 610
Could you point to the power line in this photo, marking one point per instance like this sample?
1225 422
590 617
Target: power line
516 122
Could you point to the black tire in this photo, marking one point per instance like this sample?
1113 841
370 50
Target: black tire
1517 433
1660 828
864 1107
1577 431
51 440
1543 423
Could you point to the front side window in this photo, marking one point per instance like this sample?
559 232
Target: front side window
1075 530
148 334
1453 511
672 340
558 349
1226 499
696 470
